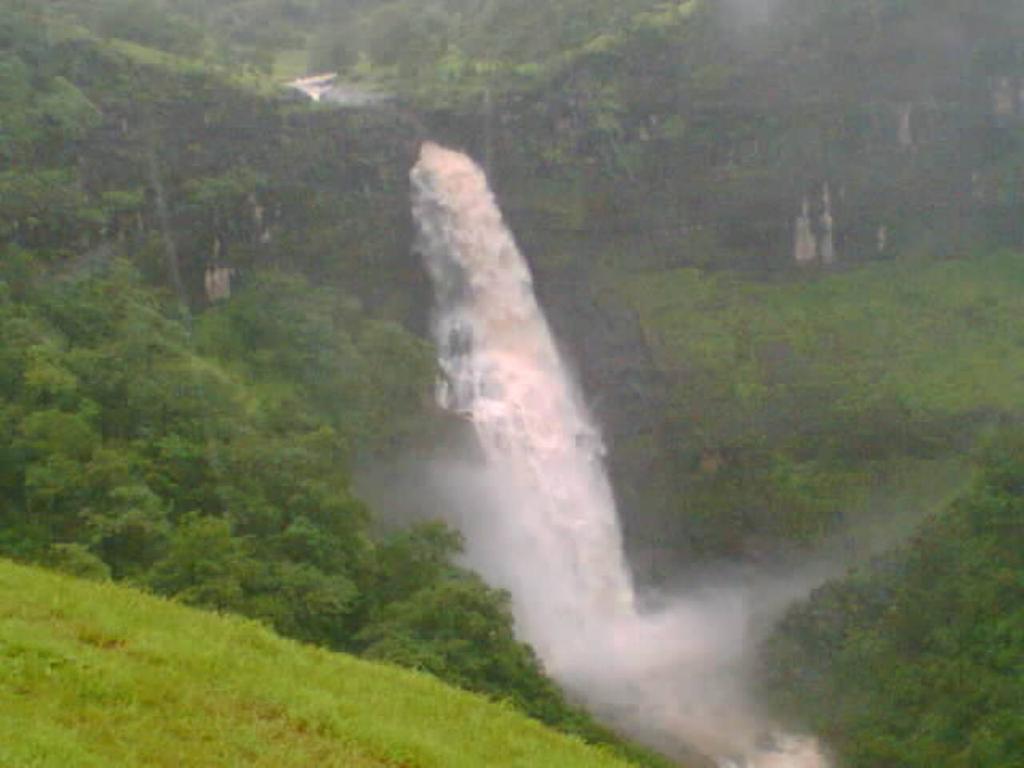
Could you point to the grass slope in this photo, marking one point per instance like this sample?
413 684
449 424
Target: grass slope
99 675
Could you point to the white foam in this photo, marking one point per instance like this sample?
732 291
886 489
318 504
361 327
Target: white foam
550 531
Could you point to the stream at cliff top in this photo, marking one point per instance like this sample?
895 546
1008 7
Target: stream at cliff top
549 532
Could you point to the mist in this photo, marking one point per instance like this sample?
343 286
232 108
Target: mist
526 486
680 678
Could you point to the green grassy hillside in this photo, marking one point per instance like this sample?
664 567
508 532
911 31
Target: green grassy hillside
99 675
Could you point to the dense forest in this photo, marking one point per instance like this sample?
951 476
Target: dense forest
782 243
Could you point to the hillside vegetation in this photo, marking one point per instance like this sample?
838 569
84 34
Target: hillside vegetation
916 660
99 675
795 407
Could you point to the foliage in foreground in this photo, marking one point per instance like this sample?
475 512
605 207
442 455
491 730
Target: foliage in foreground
213 468
918 661
98 675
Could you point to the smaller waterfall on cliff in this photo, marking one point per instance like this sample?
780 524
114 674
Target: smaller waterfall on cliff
828 241
549 531
805 245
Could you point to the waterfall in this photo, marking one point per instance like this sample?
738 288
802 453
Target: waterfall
805 245
828 247
549 530
503 372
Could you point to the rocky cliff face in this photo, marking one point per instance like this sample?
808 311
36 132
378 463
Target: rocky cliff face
699 126
250 180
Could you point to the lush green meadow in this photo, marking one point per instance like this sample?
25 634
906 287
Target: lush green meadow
99 675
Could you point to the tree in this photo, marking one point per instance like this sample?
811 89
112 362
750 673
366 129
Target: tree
205 564
916 661
461 630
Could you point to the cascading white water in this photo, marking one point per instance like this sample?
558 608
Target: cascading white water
503 372
551 533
